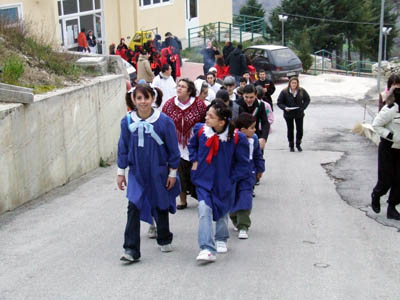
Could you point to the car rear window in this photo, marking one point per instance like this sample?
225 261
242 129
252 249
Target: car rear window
284 57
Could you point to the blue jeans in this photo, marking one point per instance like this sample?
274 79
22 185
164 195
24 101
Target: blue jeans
206 231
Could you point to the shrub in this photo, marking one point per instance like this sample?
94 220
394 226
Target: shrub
305 50
13 69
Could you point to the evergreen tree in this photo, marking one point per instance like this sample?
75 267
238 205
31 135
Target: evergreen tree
252 8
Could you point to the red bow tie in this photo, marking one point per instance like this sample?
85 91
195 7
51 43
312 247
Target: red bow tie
213 144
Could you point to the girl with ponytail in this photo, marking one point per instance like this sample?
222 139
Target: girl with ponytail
220 157
148 146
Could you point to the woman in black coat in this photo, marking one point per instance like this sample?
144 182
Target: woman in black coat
293 101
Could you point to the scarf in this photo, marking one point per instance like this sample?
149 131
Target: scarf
185 119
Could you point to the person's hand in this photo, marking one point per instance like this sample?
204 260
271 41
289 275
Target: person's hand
194 166
258 176
170 182
215 49
121 182
262 143
287 109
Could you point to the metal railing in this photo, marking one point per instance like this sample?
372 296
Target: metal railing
243 26
329 62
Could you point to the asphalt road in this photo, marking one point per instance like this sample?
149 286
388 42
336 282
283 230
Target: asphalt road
311 236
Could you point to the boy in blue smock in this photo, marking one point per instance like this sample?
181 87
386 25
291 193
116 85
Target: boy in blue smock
240 213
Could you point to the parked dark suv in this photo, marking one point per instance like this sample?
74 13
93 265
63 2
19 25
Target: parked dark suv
277 61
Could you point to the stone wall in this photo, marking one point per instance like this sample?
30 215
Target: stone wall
59 137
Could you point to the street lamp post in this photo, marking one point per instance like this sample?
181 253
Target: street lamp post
380 45
386 31
283 19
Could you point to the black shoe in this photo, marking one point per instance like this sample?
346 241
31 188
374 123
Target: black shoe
375 203
299 148
291 149
392 213
181 206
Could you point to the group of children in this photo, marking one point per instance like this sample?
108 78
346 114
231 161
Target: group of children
226 160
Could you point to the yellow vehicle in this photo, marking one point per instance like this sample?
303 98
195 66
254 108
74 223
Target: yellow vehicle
140 39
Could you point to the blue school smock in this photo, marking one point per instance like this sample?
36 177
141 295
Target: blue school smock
149 148
215 181
244 187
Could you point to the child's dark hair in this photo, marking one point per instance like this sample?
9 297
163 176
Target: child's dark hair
242 79
261 71
249 89
260 92
220 62
244 120
147 91
165 68
223 113
393 79
129 102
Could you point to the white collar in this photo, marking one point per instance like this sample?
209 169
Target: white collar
209 132
181 105
154 117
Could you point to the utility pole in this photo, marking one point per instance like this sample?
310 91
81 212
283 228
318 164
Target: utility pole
380 45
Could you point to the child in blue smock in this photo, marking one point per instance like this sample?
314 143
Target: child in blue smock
220 157
149 147
240 213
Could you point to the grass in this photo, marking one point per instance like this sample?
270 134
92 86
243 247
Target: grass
13 68
45 67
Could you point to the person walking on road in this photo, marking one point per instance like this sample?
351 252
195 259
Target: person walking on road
251 105
185 110
149 147
143 68
209 57
220 157
237 63
387 125
165 83
240 213
294 100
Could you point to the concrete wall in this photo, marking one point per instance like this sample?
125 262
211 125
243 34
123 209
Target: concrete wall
58 138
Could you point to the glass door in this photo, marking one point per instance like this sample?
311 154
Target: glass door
98 32
70 33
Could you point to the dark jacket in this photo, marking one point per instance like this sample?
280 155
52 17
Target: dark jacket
174 42
286 99
237 62
226 51
259 112
209 56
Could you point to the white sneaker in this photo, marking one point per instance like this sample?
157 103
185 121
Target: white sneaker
126 256
221 247
206 256
166 248
243 234
152 233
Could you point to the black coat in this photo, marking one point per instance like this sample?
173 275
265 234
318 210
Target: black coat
270 90
262 124
226 51
237 62
286 99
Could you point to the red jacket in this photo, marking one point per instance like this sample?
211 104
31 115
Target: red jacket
222 71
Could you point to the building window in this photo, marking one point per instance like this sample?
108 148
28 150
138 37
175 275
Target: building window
11 13
70 7
153 3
